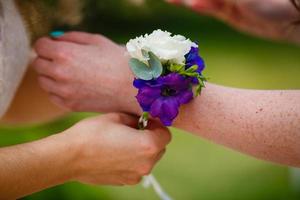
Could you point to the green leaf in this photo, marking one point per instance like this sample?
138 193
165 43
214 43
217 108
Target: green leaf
176 68
193 74
155 65
143 122
192 68
198 90
140 69
201 85
146 115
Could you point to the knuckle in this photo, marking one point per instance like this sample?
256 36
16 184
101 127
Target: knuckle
168 135
72 105
56 100
66 92
97 38
114 116
149 147
42 82
64 55
145 170
60 74
35 63
134 180
72 34
40 43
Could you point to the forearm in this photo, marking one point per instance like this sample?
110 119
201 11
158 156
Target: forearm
31 167
264 124
273 19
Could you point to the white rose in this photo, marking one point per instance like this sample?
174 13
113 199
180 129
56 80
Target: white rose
165 46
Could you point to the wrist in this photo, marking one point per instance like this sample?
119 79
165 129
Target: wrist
126 93
77 153
65 156
128 102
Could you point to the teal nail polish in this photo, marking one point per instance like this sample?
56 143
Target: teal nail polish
56 34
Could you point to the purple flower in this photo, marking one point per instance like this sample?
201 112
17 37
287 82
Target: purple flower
163 97
193 58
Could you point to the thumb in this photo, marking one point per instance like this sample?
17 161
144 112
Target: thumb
123 119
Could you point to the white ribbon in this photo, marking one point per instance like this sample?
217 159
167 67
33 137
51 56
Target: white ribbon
151 181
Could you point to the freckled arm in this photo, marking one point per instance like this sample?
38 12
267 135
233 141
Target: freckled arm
265 124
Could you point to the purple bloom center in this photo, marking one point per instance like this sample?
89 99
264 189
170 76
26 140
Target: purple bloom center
166 92
163 97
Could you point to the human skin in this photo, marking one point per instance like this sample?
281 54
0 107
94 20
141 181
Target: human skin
80 70
29 93
103 150
274 19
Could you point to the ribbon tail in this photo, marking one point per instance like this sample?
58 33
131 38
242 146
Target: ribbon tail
151 181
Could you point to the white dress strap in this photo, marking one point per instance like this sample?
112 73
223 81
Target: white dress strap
14 52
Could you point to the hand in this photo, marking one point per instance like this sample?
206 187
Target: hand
111 152
276 19
85 72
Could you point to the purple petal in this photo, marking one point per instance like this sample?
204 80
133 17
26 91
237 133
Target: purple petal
185 97
195 81
139 83
166 121
193 58
175 81
146 96
170 108
166 109
156 107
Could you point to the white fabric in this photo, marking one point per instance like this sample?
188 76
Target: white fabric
14 52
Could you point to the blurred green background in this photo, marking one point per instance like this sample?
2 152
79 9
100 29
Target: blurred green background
193 169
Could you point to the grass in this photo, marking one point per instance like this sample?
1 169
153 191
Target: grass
193 168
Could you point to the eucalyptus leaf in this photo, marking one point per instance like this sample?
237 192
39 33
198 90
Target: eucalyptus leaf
155 65
140 69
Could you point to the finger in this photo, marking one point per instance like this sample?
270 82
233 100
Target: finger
44 67
81 38
160 155
57 100
160 135
130 178
124 119
53 49
46 48
48 84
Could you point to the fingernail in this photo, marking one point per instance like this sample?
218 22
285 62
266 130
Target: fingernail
57 34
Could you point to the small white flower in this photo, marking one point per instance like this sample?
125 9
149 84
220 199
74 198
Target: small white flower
165 46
